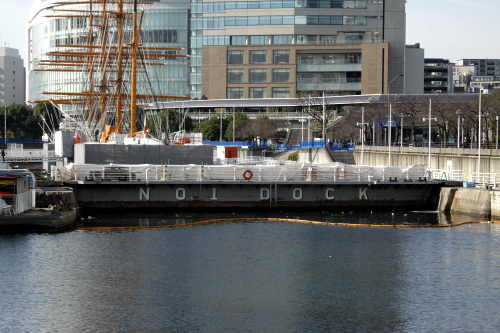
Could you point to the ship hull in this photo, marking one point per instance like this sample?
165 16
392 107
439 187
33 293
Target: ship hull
206 196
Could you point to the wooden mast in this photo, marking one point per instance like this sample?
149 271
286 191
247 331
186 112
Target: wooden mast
119 75
133 79
105 61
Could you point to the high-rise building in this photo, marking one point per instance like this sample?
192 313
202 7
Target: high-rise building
285 48
53 27
12 82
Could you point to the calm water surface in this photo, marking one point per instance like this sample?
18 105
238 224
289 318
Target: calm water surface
254 277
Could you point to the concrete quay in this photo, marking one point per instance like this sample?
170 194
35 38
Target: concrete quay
470 201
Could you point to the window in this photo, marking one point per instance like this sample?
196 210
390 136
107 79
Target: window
234 57
281 56
235 75
234 93
238 40
258 75
282 39
257 92
259 40
281 75
281 92
258 57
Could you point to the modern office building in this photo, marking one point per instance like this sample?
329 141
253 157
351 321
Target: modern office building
438 76
287 48
247 49
52 26
12 78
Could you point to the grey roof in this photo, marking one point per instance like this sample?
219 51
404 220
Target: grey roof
284 102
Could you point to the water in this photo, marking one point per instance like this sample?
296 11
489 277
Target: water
253 277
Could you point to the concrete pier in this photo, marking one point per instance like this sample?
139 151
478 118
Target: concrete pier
470 201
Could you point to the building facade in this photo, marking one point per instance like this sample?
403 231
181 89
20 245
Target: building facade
286 48
438 76
414 69
472 75
12 77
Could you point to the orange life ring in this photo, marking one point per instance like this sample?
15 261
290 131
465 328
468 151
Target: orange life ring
247 174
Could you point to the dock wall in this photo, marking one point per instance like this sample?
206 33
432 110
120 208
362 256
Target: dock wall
470 201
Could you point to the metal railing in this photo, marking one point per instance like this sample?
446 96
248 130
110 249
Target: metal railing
289 172
485 180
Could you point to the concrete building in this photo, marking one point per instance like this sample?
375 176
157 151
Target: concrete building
12 82
285 48
438 76
414 69
471 75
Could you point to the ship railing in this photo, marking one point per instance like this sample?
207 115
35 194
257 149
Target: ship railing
441 174
335 172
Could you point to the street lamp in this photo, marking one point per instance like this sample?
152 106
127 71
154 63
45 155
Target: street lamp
479 137
362 124
497 118
429 119
402 118
389 122
459 113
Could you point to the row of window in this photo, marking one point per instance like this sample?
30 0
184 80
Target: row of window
258 75
258 92
258 57
220 7
222 22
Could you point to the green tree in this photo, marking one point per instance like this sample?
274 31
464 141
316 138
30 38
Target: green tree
211 128
240 121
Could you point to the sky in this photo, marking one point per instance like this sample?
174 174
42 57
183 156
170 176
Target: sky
449 29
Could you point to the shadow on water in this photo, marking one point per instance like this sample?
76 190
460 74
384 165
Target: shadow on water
349 217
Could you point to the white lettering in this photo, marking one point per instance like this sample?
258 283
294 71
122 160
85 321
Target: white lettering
180 194
264 194
144 194
297 193
329 194
362 193
214 193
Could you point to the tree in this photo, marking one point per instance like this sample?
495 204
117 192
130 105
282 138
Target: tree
240 121
169 121
211 128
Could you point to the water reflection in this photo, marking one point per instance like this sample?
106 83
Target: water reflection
351 217
253 276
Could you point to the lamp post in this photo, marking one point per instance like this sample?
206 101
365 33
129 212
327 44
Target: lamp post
429 119
497 118
459 113
479 137
402 118
389 122
362 124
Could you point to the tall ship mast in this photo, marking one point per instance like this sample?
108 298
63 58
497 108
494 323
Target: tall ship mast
108 56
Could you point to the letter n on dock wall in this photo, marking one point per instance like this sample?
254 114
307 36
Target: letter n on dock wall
144 194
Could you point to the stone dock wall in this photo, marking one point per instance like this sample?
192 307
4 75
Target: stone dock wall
471 201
